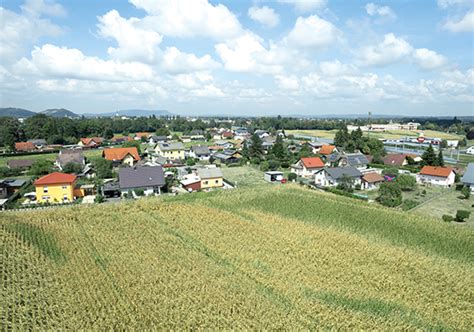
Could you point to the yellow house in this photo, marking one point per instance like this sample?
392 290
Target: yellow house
211 178
172 150
55 188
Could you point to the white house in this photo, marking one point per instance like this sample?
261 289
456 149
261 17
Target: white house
470 150
332 176
439 176
307 167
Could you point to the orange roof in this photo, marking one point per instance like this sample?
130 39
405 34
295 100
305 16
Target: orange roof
24 146
372 177
327 149
436 171
313 162
120 153
56 178
90 140
146 135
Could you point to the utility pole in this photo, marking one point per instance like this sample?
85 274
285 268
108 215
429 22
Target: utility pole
369 125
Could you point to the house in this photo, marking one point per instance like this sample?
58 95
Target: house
153 139
126 156
327 149
139 136
55 187
24 147
261 133
273 176
315 146
436 175
170 150
201 152
90 142
371 180
357 160
468 177
399 159
470 150
70 156
39 143
148 179
121 139
215 148
20 163
307 167
10 186
226 157
227 135
191 182
210 177
224 144
330 177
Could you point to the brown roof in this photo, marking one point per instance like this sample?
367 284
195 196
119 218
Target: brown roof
313 162
443 172
216 147
20 163
24 146
395 159
56 178
327 149
120 153
372 177
90 140
144 134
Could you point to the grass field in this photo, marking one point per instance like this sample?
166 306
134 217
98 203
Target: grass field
329 134
93 153
243 176
265 257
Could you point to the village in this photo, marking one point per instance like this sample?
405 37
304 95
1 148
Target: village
97 170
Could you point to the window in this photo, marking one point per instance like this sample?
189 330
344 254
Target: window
45 198
65 198
206 182
64 187
217 181
45 189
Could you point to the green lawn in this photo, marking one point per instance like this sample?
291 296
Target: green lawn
243 176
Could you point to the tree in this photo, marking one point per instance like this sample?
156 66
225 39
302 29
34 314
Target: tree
346 183
72 168
406 182
440 159
108 133
131 144
443 144
342 137
292 176
163 131
466 192
10 132
462 215
99 199
429 157
470 134
390 194
255 148
103 168
190 162
41 167
392 172
278 149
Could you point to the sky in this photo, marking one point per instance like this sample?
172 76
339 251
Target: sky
239 58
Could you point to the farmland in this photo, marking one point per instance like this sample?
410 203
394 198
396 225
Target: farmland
252 258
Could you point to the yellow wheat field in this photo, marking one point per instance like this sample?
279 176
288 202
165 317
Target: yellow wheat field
265 258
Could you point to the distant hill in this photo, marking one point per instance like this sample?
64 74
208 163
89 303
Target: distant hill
60 113
136 112
16 112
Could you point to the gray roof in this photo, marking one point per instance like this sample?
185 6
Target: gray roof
200 150
171 146
356 159
339 172
468 176
141 177
13 182
158 138
38 141
209 173
20 163
70 156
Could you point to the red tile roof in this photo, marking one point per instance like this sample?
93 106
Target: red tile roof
90 140
120 153
55 178
24 146
327 149
372 177
313 162
443 172
144 134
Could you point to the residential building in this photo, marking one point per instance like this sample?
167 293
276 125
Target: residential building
170 150
150 179
191 182
436 175
332 176
327 149
39 143
153 139
24 147
10 186
468 177
90 142
210 177
357 160
225 144
372 180
139 136
126 156
70 156
307 167
399 159
121 139
226 157
55 188
470 150
200 152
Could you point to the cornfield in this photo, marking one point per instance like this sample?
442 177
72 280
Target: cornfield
267 257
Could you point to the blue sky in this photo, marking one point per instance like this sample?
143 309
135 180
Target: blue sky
200 57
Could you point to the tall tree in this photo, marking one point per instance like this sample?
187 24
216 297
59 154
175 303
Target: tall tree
429 157
255 148
440 161
278 149
342 137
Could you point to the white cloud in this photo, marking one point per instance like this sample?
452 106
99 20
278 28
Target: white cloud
53 61
189 18
376 10
305 6
264 15
465 24
313 32
42 7
336 68
175 61
447 3
135 43
287 82
392 49
428 59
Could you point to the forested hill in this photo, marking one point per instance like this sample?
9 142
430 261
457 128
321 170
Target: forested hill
16 112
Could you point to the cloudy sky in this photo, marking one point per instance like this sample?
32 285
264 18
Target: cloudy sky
203 57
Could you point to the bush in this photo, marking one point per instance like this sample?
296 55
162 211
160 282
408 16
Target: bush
409 204
392 171
466 192
406 182
462 215
264 166
459 186
99 199
285 164
447 218
292 176
390 194
273 165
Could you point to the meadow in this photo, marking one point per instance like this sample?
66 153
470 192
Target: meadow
261 257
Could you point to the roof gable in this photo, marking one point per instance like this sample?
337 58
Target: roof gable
327 149
56 178
443 172
120 153
312 162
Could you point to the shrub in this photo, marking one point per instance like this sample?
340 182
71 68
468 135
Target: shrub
139 192
447 218
99 199
409 204
264 166
390 194
462 215
392 171
285 164
466 192
459 186
292 176
406 182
